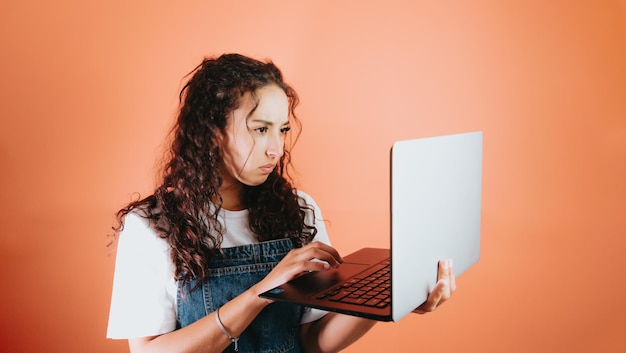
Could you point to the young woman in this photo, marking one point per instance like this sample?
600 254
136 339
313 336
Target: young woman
224 225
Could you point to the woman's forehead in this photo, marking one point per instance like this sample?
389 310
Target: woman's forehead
267 104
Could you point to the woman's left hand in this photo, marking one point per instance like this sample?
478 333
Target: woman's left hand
445 287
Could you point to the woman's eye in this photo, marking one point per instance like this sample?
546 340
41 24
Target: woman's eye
285 129
261 130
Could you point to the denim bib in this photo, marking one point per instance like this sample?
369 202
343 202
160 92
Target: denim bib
276 328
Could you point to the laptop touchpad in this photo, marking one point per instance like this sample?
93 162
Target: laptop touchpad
315 282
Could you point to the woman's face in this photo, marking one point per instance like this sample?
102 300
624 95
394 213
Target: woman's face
254 137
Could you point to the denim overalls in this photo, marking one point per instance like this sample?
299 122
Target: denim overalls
276 328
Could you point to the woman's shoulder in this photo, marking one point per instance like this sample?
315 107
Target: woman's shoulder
308 202
139 230
306 198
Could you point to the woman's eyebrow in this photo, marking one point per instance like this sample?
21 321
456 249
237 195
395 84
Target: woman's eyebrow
267 122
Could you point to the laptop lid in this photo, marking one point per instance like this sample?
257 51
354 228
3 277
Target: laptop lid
436 188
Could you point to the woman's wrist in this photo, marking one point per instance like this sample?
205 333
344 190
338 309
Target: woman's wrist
255 299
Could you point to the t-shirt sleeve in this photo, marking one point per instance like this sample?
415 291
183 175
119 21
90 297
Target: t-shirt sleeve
315 218
311 314
142 302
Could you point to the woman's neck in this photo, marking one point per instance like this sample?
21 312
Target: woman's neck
231 193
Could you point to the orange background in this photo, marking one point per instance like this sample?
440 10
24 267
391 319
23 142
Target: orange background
89 90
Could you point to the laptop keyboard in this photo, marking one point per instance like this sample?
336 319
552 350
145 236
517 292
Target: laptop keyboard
369 288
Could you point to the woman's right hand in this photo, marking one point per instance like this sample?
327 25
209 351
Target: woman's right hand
315 256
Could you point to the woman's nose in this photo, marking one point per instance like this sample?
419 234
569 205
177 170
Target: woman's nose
275 147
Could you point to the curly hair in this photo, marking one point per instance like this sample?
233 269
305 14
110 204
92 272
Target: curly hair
184 208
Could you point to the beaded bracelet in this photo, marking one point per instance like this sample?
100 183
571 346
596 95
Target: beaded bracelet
219 323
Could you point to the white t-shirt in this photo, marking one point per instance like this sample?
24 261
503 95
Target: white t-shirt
143 302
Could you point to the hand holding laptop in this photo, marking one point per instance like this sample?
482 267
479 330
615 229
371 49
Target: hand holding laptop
307 259
445 287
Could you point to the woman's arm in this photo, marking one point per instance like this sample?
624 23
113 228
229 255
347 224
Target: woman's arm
206 336
334 332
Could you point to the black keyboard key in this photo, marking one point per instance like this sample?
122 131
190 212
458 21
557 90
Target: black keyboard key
358 301
339 295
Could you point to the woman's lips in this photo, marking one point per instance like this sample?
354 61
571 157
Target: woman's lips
266 169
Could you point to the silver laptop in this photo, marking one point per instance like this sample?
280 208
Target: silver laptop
436 185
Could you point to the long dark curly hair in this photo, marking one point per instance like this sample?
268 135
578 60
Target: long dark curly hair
184 208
